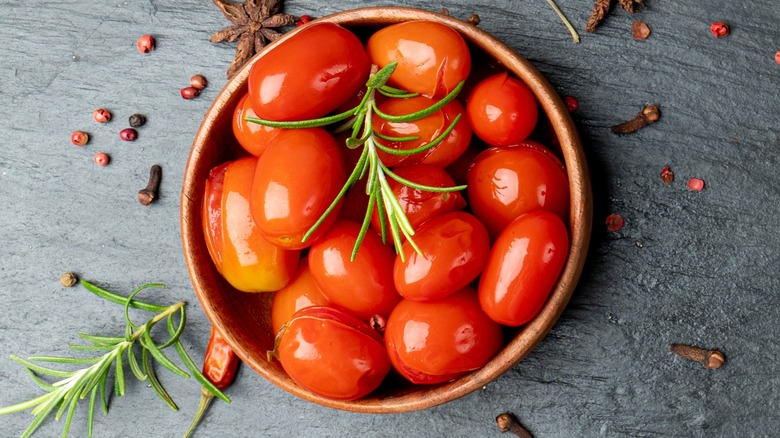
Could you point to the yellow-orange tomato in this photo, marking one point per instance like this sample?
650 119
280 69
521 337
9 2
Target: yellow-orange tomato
297 178
300 293
251 136
427 129
212 213
432 58
249 262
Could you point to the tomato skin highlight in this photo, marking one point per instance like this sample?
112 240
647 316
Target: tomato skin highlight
212 213
502 110
300 293
253 137
432 58
297 178
506 182
454 249
523 266
428 128
437 341
332 354
363 286
308 75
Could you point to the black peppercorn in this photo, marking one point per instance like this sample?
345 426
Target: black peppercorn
137 120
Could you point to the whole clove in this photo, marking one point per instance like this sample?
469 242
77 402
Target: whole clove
711 359
649 115
507 422
148 194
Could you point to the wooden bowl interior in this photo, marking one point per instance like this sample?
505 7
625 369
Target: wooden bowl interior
244 318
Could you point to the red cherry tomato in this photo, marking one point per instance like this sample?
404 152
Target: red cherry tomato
297 178
421 205
502 110
309 74
432 58
212 213
438 341
248 261
300 293
252 137
507 182
363 286
427 128
454 250
332 354
523 266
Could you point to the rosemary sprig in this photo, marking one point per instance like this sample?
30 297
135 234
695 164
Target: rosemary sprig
380 194
63 395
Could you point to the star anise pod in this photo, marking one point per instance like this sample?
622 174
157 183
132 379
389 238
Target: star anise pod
253 26
601 9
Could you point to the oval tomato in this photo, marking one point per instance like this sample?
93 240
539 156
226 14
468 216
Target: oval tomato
249 262
309 74
454 249
421 205
212 213
502 110
300 293
432 58
332 353
438 341
297 178
252 137
427 129
363 286
523 266
507 182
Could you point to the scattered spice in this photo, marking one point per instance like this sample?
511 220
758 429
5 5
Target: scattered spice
507 422
378 323
777 57
695 184
190 92
667 176
719 29
473 19
253 26
145 43
614 222
101 115
79 138
69 279
571 103
601 9
137 120
649 114
711 359
572 31
101 159
199 82
640 30
148 194
303 20
128 134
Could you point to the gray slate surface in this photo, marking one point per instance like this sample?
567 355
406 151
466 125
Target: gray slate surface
688 267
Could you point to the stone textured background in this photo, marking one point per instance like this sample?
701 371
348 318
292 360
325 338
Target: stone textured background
699 268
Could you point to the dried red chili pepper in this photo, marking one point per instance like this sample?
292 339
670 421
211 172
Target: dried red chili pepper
219 366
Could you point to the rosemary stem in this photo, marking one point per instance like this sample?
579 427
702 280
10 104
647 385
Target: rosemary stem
157 318
575 36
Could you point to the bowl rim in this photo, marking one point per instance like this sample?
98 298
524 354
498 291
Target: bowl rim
580 220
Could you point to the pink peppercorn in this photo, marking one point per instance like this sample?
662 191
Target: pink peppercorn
128 134
614 222
145 43
303 20
190 92
79 138
571 103
719 29
101 159
101 115
695 184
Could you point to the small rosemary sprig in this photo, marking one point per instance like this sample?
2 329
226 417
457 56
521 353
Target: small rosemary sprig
92 380
380 194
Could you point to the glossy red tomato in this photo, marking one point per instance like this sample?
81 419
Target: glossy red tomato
432 58
421 205
523 266
502 110
309 74
252 137
427 128
438 341
248 261
297 178
332 353
454 250
507 182
300 293
363 286
211 213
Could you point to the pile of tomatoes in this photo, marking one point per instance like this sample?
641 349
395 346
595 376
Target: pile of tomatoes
488 257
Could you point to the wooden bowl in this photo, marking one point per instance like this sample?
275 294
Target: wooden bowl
244 318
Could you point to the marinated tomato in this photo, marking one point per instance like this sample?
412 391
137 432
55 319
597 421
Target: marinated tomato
300 293
502 110
254 138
